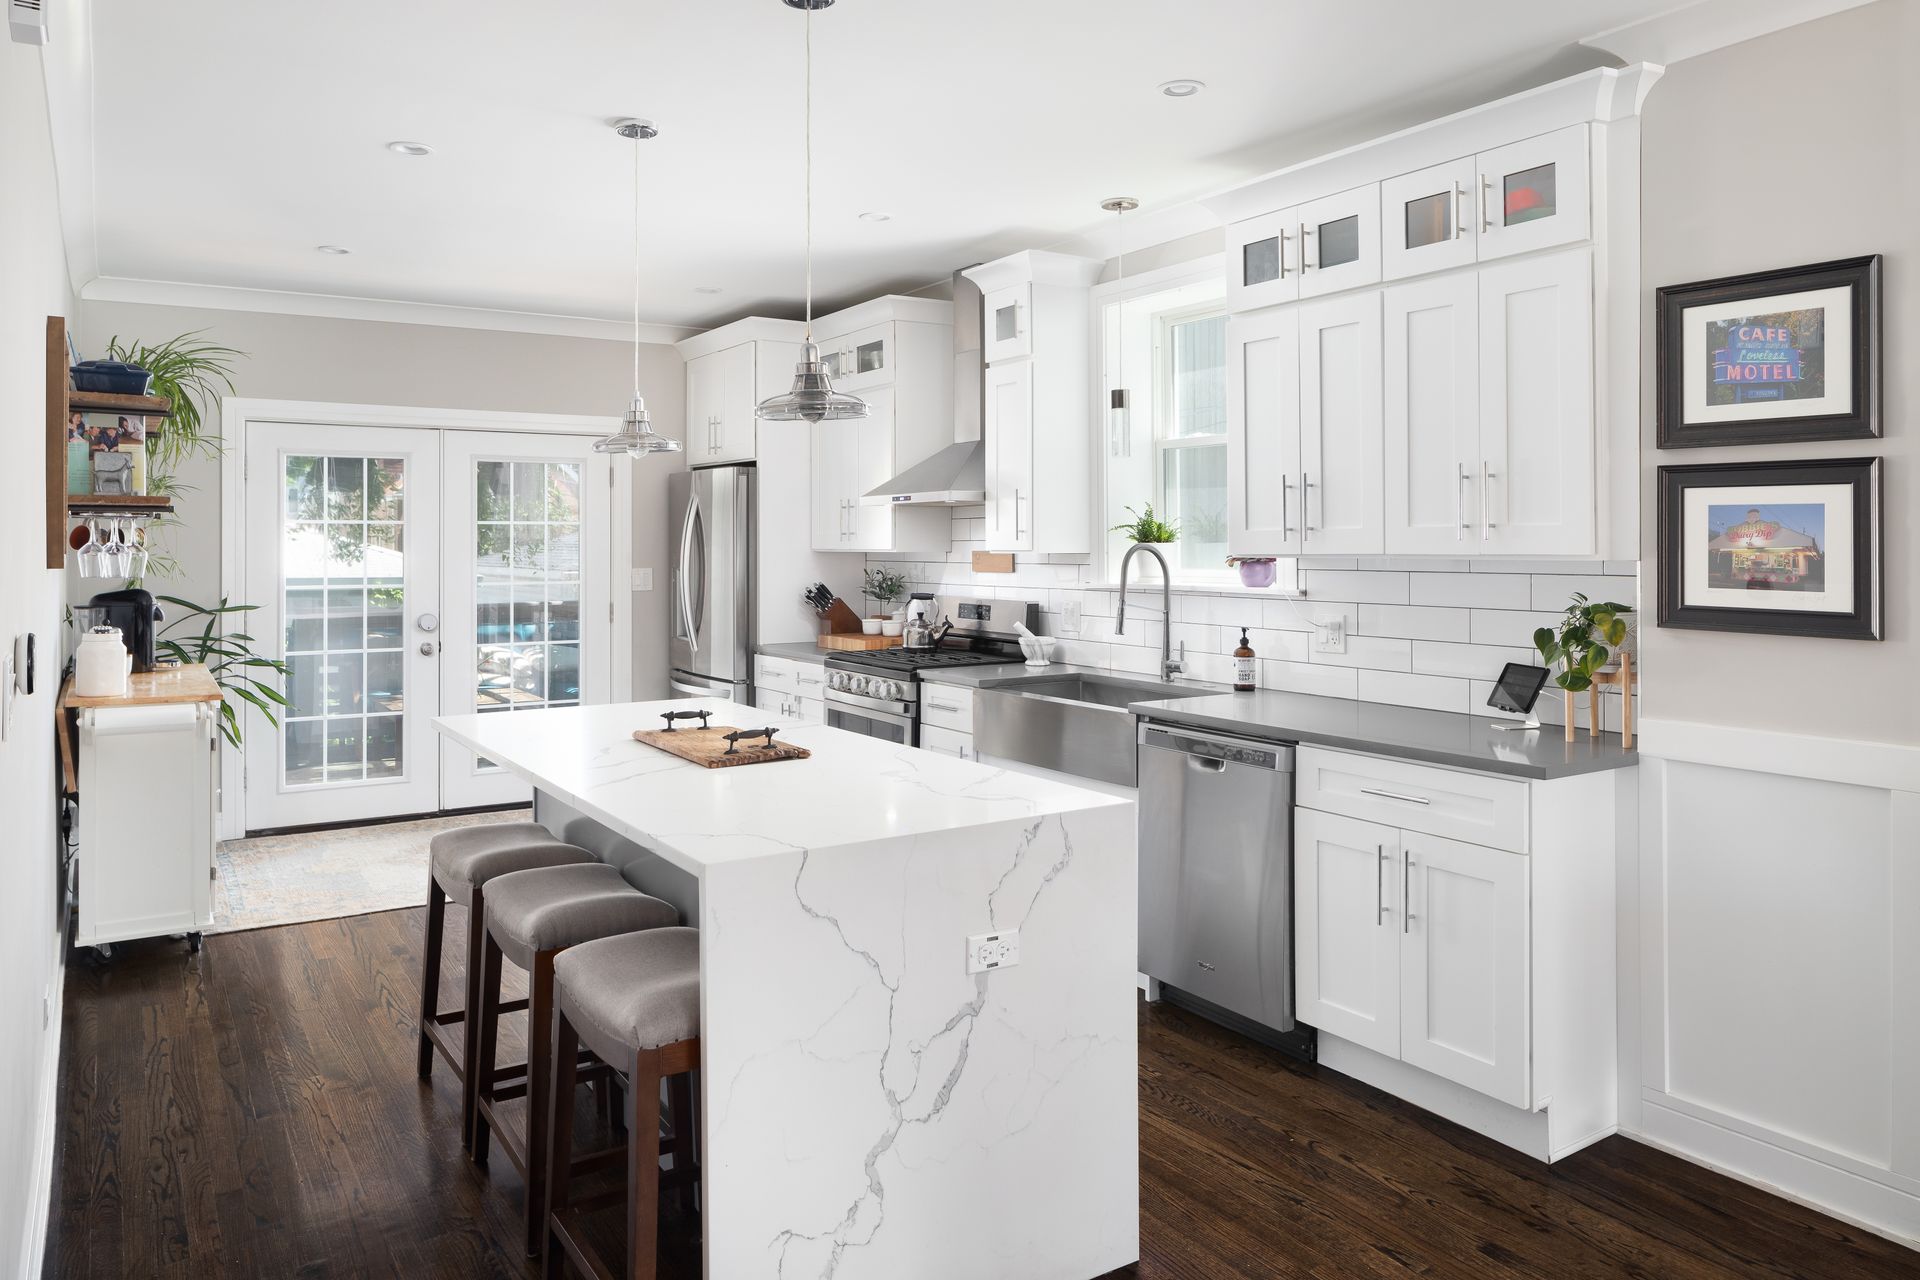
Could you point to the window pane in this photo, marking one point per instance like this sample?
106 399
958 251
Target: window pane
384 747
1530 195
1339 242
1260 261
1429 220
1196 496
1199 377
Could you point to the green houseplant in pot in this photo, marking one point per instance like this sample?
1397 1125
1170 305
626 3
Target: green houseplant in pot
885 587
1581 645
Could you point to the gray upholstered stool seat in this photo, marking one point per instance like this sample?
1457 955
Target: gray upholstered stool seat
637 991
554 908
475 855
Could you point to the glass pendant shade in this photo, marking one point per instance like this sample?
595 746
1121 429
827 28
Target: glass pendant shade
636 437
812 397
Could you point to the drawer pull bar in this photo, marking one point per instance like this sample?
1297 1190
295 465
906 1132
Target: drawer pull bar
1394 795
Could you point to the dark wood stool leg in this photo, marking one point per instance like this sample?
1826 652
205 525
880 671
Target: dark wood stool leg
643 1166
469 1042
430 971
539 1071
680 1102
485 1037
565 1050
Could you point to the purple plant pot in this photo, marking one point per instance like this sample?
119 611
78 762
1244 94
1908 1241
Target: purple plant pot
1256 573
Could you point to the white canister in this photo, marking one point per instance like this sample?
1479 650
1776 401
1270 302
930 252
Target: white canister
101 664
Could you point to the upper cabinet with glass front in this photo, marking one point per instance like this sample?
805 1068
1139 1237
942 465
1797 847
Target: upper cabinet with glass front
1311 249
1526 196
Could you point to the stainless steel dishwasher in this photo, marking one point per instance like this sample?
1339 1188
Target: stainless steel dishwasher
1216 869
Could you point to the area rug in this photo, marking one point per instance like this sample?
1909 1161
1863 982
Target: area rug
322 875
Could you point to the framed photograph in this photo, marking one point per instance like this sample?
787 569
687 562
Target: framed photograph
1786 548
1771 358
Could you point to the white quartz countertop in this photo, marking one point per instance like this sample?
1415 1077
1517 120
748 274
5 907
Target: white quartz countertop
855 789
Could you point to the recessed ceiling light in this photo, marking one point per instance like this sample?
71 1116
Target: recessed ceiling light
874 215
410 148
1182 88
334 249
706 288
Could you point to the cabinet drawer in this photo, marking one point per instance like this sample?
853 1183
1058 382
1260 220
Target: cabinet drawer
777 673
946 741
810 680
947 706
1460 806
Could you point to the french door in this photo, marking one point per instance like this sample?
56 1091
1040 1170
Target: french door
406 572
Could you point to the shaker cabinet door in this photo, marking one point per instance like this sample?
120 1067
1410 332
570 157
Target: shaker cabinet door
1534 194
1263 261
1432 433
1427 220
1340 241
1346 916
1008 422
1263 433
1340 425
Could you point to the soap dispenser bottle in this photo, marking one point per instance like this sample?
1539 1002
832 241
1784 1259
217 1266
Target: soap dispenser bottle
1243 665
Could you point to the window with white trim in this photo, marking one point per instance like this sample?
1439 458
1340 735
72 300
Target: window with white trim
1166 348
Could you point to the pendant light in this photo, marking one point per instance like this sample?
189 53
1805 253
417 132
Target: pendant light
812 397
636 437
1120 436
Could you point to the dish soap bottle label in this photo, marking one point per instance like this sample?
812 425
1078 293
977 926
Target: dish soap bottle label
1243 665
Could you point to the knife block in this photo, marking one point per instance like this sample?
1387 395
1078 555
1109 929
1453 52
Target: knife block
839 620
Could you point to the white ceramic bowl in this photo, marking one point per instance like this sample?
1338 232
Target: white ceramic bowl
870 626
892 627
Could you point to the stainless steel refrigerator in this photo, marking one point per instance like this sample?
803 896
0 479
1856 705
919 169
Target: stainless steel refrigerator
712 533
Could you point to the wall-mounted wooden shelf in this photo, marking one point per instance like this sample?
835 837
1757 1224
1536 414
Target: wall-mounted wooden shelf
62 401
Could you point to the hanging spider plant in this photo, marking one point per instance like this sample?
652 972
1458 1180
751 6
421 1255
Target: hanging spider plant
194 375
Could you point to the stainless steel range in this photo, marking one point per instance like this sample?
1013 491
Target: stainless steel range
877 693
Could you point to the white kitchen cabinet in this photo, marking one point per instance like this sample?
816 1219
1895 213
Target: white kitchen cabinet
721 426
833 458
860 359
1428 220
789 688
1432 374
1263 261
850 457
1346 933
1263 435
1534 194
1340 241
1340 425
1036 413
1464 964
1536 476
1008 424
947 742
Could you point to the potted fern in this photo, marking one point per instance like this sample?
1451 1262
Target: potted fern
1583 643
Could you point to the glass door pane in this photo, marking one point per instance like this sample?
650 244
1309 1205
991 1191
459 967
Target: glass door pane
526 585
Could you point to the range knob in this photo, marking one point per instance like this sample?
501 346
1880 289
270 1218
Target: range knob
888 689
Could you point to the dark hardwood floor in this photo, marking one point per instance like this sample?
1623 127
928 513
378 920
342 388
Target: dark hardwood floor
252 1112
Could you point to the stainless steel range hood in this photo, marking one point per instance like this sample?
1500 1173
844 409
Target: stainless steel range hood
956 475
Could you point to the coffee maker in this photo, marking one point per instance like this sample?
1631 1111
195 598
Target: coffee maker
132 613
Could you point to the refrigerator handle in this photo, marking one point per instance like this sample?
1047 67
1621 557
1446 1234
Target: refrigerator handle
683 602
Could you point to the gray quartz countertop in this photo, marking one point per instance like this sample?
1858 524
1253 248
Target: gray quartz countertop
1437 737
795 651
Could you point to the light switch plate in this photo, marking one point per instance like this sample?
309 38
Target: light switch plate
1331 636
643 579
993 951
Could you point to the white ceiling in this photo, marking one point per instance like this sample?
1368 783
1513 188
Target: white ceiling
231 137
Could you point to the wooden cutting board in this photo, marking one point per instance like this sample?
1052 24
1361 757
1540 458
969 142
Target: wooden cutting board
708 747
860 642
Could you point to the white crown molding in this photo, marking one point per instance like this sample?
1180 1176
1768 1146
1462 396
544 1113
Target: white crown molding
1706 25
173 293
746 329
1890 766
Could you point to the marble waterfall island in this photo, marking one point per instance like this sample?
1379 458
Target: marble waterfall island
872 1110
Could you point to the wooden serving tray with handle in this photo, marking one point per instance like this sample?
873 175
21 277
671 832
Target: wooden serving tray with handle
708 747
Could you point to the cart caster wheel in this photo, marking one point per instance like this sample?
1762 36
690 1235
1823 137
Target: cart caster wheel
193 942
103 952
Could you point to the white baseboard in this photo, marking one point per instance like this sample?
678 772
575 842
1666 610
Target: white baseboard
33 1239
1848 1195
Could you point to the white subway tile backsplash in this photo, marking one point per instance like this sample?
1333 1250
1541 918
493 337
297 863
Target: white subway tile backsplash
1413 622
1422 632
1471 590
1356 587
1436 693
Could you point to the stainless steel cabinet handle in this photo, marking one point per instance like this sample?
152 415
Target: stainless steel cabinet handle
1486 187
1486 500
1305 266
1459 505
1406 891
1459 211
1393 795
1016 513
1283 255
1306 506
1286 524
1380 886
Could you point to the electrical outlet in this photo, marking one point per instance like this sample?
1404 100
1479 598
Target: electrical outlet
643 579
1331 636
993 951
1070 616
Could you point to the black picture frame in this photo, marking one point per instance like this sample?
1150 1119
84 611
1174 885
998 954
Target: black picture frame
1863 475
1671 303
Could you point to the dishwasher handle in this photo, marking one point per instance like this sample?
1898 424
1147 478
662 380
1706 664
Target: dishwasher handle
1217 749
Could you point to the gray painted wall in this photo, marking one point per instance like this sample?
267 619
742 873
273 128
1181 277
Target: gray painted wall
369 362
33 286
1832 171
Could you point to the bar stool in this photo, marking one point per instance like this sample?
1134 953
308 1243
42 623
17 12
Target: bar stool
462 863
532 917
634 1001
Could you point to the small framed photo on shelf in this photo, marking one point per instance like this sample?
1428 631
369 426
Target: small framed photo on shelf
1784 548
1770 358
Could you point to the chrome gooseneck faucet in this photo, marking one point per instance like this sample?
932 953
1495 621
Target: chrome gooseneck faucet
1170 666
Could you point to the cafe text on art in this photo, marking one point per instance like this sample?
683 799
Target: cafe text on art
1760 361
